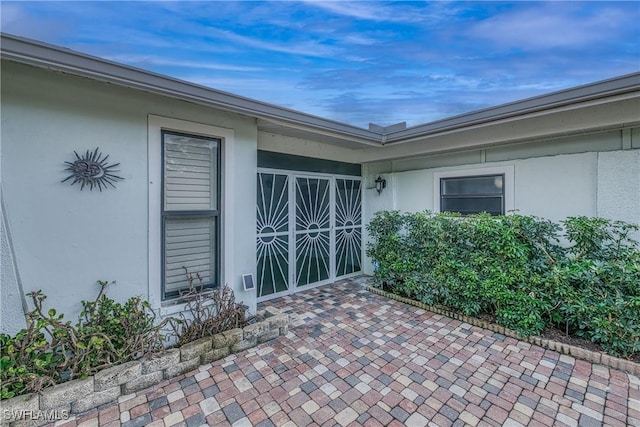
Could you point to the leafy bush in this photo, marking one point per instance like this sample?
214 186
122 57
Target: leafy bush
601 280
130 329
514 269
26 362
51 350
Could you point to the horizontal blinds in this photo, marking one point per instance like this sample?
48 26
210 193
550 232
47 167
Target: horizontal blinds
190 173
189 242
474 185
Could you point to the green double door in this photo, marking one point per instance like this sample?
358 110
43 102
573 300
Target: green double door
309 230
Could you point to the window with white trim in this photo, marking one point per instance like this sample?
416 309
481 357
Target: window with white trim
190 212
473 194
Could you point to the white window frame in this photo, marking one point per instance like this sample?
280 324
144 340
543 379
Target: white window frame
507 171
156 124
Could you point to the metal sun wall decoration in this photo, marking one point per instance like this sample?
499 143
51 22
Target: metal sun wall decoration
92 170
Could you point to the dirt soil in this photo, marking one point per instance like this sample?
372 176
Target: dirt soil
560 336
551 334
554 334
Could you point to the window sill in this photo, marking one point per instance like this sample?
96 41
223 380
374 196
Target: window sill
179 304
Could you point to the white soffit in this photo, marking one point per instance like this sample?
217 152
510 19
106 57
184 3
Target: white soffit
310 135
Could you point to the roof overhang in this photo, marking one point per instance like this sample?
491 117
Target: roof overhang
620 112
602 92
272 117
537 111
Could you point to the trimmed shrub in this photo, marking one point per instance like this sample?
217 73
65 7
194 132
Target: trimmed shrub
514 269
207 313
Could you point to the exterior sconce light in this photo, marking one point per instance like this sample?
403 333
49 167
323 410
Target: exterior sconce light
380 184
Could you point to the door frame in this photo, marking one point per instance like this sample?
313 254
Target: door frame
292 175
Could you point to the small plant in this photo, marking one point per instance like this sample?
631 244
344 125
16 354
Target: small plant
207 312
51 350
131 327
27 362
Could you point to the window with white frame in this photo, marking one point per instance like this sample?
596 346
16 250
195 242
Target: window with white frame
470 191
190 212
472 194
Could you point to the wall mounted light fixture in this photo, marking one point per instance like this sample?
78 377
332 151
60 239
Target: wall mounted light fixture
380 184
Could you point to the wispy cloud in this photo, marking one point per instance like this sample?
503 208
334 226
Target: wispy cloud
563 25
358 10
358 61
152 61
409 12
304 48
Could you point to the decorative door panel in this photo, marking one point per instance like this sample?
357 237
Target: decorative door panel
273 234
348 226
309 230
313 226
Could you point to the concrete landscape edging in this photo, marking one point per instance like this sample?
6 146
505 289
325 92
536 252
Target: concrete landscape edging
571 350
106 386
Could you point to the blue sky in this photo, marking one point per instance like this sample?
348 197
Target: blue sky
355 62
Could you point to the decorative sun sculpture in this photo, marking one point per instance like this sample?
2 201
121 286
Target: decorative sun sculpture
92 170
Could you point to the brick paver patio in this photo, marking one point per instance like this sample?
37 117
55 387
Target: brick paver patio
355 358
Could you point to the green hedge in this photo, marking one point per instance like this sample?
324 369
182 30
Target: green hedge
582 275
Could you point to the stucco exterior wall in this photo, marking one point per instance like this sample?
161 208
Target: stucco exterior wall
619 186
558 186
66 239
303 147
605 184
551 187
11 298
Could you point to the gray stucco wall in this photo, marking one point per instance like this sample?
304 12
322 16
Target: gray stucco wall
619 186
598 178
65 239
11 295
552 187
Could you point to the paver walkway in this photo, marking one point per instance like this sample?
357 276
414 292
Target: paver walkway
355 358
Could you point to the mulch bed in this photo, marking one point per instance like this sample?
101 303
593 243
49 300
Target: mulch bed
560 336
554 334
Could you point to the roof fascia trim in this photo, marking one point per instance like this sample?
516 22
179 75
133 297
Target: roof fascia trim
54 58
601 91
